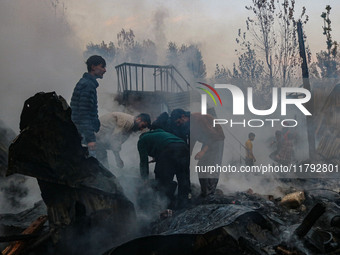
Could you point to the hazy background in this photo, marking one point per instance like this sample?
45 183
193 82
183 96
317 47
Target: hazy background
42 44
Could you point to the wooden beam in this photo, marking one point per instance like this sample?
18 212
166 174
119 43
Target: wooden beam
18 246
310 219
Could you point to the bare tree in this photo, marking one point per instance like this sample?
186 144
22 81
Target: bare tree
271 34
288 48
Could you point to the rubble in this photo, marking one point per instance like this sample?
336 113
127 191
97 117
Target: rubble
310 219
244 223
19 246
82 197
247 223
293 200
14 224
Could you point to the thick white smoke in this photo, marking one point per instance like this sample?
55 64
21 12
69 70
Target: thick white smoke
38 53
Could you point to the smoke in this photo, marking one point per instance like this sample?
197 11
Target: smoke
18 193
148 203
159 29
38 53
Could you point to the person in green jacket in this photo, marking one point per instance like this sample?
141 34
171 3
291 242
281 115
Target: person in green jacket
171 154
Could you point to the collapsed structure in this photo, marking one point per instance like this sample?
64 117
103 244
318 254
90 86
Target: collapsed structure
302 222
82 197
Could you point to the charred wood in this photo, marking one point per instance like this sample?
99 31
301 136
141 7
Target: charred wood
5 239
310 219
19 246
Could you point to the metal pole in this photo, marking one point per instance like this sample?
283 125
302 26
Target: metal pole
154 78
125 77
142 78
118 89
306 85
136 79
130 78
161 78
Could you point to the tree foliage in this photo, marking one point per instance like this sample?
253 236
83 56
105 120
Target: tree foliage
127 50
187 57
268 49
327 65
107 51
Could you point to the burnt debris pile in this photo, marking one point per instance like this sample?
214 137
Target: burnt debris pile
86 212
299 222
86 206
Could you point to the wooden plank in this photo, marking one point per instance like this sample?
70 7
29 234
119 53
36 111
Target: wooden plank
17 247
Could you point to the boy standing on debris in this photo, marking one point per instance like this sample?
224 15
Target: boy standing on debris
84 103
115 129
250 158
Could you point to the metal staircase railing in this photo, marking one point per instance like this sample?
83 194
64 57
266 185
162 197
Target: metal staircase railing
140 77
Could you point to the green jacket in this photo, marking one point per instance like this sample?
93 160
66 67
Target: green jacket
152 144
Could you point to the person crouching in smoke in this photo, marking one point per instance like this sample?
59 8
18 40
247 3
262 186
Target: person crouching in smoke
172 158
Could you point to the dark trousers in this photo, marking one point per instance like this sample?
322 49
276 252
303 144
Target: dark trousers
212 157
174 160
249 161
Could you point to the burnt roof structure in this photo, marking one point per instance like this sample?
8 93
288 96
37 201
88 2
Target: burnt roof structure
82 197
153 88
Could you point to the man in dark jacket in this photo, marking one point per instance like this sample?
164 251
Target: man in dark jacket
84 103
172 158
165 122
212 139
